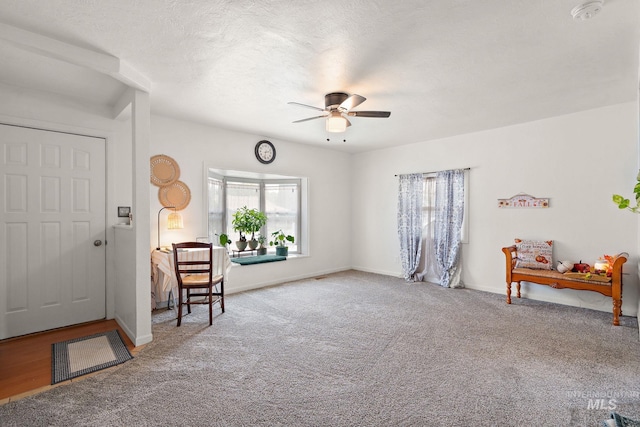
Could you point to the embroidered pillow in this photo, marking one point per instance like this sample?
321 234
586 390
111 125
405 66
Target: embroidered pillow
535 254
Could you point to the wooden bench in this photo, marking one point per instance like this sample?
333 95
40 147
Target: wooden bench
608 286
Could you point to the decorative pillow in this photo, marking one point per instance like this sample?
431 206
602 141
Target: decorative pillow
535 254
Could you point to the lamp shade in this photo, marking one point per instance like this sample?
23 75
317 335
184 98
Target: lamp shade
336 123
174 221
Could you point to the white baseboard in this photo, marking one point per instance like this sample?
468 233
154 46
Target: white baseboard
145 339
570 297
375 271
248 287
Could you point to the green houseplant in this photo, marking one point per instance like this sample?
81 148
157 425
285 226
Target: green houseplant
262 250
223 239
257 221
248 221
240 223
280 242
626 203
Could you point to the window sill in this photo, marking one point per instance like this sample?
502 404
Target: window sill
289 257
298 256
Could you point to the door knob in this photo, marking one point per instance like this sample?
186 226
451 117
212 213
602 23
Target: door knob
97 243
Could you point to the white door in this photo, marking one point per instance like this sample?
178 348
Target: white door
52 230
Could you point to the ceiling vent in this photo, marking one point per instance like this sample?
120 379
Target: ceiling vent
587 10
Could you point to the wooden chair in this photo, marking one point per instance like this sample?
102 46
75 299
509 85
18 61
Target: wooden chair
194 272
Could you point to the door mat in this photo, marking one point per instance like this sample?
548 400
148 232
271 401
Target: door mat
81 356
258 259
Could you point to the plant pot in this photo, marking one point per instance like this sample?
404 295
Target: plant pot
253 244
262 251
282 251
242 245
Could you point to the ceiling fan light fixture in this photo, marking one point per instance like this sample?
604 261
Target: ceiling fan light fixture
336 122
337 109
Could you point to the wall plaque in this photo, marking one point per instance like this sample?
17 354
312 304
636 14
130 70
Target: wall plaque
523 201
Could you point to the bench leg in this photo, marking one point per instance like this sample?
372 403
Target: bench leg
518 288
617 311
508 293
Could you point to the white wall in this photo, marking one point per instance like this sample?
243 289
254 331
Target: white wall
125 294
329 174
131 165
578 161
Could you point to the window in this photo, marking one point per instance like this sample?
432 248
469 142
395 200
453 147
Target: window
429 201
215 211
429 269
282 207
239 194
280 198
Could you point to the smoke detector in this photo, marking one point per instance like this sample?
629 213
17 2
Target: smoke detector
587 10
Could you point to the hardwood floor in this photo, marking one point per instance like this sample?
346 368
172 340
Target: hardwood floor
25 362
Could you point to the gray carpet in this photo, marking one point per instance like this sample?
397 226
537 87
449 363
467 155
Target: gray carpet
359 349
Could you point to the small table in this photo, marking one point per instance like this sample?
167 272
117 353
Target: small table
237 253
162 262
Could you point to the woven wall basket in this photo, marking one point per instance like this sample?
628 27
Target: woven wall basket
164 170
176 194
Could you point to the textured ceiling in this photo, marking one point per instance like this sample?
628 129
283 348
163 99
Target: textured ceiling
441 67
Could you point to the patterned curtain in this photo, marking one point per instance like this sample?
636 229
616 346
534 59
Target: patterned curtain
449 214
410 223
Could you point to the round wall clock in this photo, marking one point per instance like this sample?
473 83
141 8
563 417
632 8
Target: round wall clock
265 152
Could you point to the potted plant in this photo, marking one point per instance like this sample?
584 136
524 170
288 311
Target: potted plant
626 203
240 223
262 250
257 220
248 221
223 239
280 242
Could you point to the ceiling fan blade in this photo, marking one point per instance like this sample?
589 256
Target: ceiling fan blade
310 118
369 113
306 106
348 122
352 102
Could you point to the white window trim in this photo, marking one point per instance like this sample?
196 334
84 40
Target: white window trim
303 238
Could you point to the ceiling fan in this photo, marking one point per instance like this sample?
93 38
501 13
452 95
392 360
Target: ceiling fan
337 107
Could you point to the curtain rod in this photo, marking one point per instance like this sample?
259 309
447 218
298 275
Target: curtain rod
427 173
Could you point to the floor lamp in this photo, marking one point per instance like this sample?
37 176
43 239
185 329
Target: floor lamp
174 221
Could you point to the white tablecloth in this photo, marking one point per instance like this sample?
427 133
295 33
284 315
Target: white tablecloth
162 262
